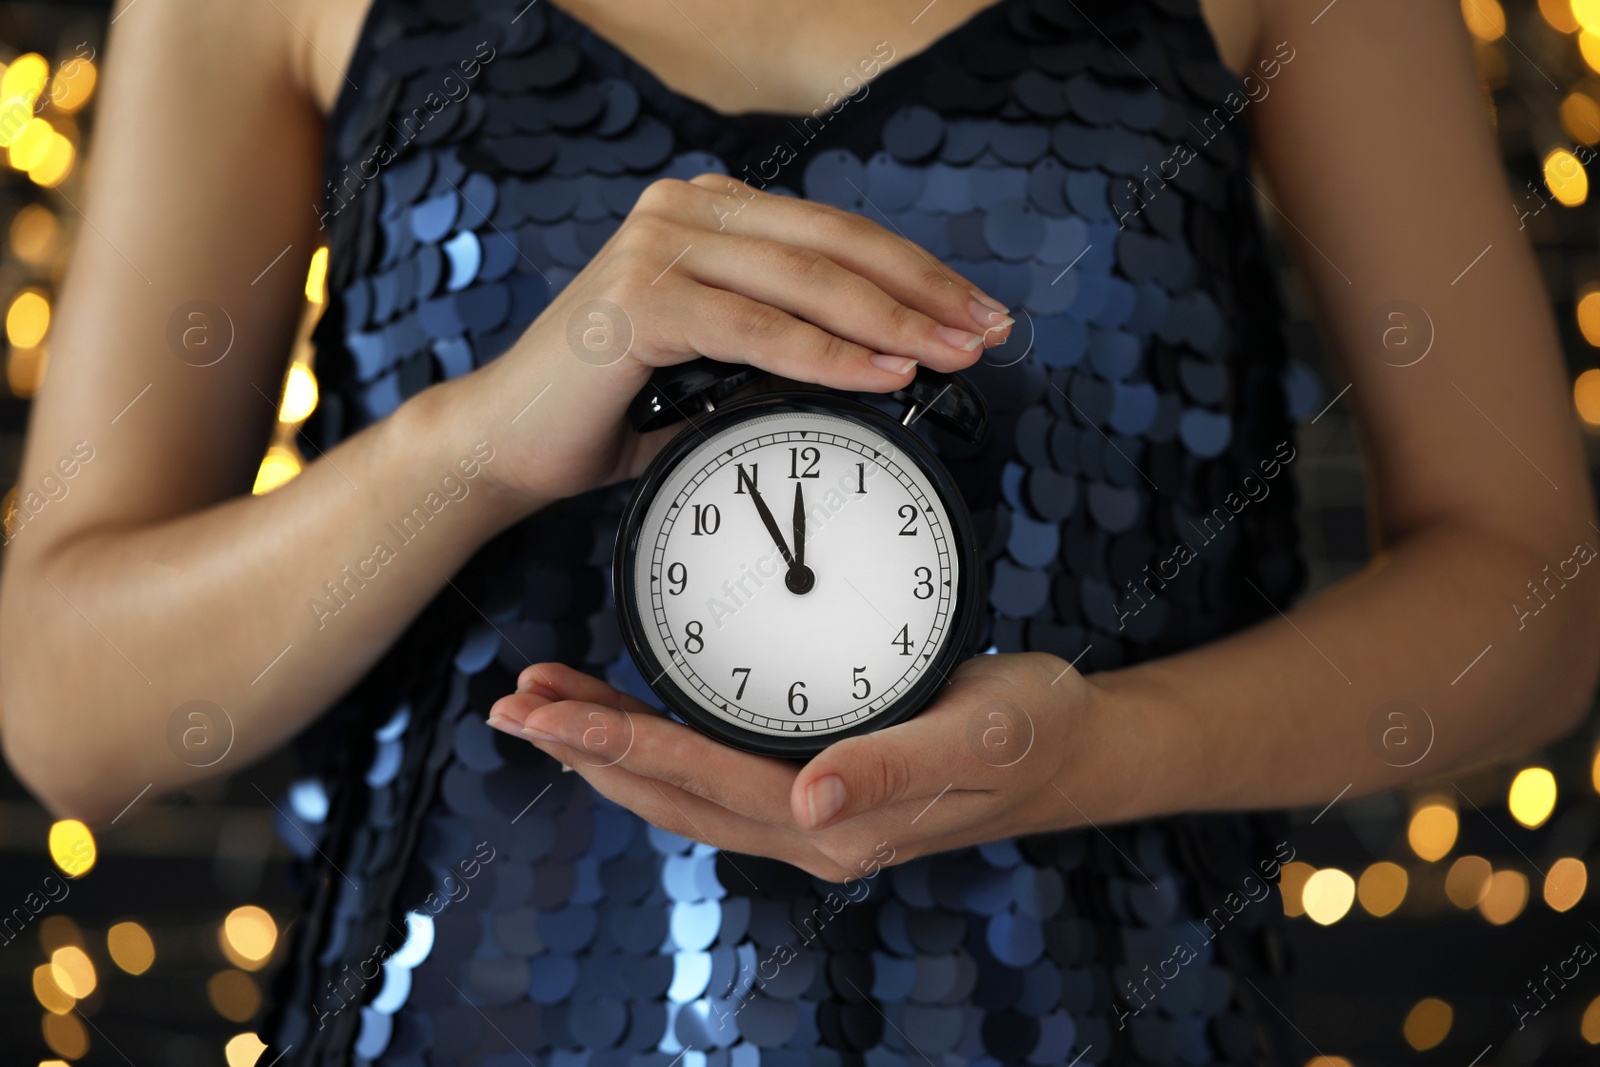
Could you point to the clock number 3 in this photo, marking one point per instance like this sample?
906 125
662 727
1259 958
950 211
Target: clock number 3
693 641
924 588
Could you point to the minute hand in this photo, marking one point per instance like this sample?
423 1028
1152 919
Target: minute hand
746 483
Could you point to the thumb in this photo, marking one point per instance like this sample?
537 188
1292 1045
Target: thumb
861 774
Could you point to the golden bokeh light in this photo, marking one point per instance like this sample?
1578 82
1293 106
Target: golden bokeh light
1292 880
1507 896
1532 796
1590 1026
317 276
299 395
35 231
1565 882
247 936
1427 1023
53 169
25 78
1432 833
73 84
1589 316
1467 882
48 991
1328 895
1586 13
130 947
243 1050
25 369
1485 18
1580 117
72 847
1558 13
58 931
66 1036
27 149
1382 888
1589 49
1564 176
27 319
73 971
278 466
1328 1061
1586 398
233 995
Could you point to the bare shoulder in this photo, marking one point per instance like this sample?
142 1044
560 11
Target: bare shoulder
1236 26
322 40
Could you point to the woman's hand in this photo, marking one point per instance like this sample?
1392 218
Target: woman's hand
713 267
1003 752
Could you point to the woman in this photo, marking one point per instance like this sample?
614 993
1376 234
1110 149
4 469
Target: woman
484 173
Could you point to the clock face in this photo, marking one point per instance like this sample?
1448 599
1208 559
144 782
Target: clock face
795 575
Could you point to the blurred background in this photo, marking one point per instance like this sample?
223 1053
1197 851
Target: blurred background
1437 925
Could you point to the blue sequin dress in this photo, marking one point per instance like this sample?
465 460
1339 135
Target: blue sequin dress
465 903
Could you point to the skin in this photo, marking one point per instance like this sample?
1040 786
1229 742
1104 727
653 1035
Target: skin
160 580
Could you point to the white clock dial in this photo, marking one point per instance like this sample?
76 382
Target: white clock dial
878 574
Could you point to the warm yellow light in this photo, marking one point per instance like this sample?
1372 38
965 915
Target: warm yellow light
49 991
28 147
1586 398
1427 1023
1580 117
58 931
1565 882
248 935
34 233
1589 49
74 84
53 169
1432 833
1467 882
130 947
28 319
1508 894
278 466
72 847
317 275
1382 888
25 78
73 971
234 996
1328 1061
66 1036
1590 1027
1532 797
1485 18
299 394
54 1063
1558 13
1564 176
1328 895
1587 15
1292 884
25 369
243 1050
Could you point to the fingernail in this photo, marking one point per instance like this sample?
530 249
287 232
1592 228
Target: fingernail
988 318
967 342
497 721
540 735
988 301
896 364
825 797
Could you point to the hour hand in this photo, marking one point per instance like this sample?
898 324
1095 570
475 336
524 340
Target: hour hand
748 485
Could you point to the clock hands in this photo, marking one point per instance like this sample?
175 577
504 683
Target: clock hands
799 579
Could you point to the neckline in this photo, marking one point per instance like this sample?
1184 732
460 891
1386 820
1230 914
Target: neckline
638 71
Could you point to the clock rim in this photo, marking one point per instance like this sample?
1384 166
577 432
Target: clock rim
966 598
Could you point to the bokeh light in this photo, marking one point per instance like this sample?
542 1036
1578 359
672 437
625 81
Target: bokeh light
27 319
1565 177
1328 1061
1589 48
243 1050
130 947
1586 398
1590 1026
73 84
1382 888
72 847
278 466
66 1036
25 369
233 995
247 936
52 169
1565 882
73 971
1432 832
1467 882
1486 19
1532 796
1292 878
1507 896
317 276
1328 895
1427 1023
27 149
1558 13
49 992
25 78
1580 117
299 394
35 234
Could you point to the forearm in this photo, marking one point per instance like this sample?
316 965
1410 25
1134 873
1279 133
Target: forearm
1288 712
267 606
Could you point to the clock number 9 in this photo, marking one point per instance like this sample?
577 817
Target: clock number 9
866 686
908 512
707 519
812 457
797 701
678 575
924 582
693 642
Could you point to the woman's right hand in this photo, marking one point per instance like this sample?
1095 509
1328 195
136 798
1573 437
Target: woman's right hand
713 267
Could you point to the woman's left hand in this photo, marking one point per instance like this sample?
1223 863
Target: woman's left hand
982 763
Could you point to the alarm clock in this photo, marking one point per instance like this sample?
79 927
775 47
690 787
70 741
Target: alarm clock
797 566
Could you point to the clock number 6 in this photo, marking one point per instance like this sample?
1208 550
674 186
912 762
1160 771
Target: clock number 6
924 582
866 686
693 642
908 512
797 701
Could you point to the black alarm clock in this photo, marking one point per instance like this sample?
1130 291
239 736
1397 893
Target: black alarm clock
797 566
